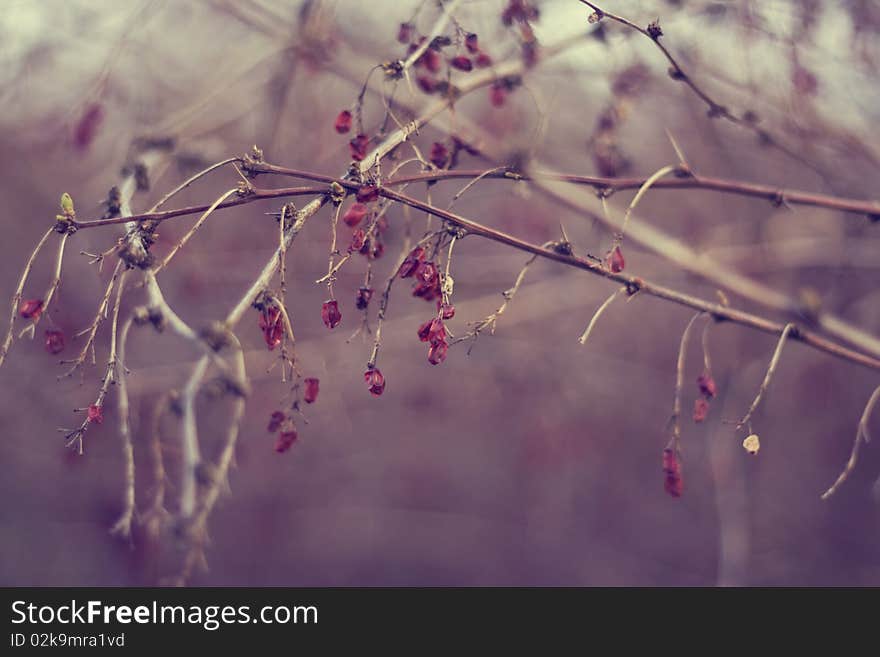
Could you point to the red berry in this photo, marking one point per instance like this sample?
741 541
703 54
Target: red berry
362 300
411 262
96 414
430 60
614 260
471 43
375 381
405 32
285 440
87 127
427 282
31 309
367 193
462 63
497 94
423 331
54 341
358 147
355 214
330 313
271 324
426 84
275 421
446 310
432 331
343 122
483 60
437 331
310 394
707 385
673 483
439 155
701 409
358 240
437 352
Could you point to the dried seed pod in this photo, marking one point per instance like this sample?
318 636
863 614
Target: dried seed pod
375 381
330 313
311 387
54 341
437 352
752 444
358 240
614 260
462 63
358 147
275 421
355 214
673 483
31 309
285 440
707 385
343 122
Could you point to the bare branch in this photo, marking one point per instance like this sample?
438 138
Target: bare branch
771 369
862 435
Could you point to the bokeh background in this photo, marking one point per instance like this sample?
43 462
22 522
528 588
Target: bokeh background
533 460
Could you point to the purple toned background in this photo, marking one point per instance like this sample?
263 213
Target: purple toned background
533 460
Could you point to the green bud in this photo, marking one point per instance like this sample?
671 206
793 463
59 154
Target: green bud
67 205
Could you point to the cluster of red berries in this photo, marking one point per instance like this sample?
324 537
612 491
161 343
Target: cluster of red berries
357 146
708 390
434 332
425 273
430 62
54 339
280 423
672 482
522 13
363 241
283 424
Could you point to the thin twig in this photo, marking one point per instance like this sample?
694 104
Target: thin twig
16 297
123 525
771 369
220 475
862 435
92 330
589 330
675 440
75 437
183 240
191 180
638 197
491 321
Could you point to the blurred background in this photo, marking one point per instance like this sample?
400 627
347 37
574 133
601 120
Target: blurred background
532 460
